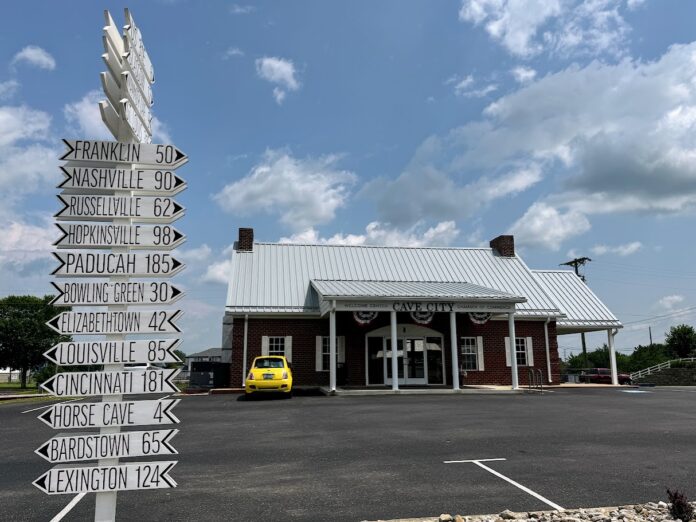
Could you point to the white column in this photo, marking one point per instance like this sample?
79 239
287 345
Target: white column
244 349
513 351
394 354
612 358
548 350
453 344
332 350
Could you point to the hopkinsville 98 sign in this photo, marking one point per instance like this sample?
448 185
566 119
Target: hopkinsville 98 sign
143 237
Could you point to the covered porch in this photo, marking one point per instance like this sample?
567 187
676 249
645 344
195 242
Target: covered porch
415 361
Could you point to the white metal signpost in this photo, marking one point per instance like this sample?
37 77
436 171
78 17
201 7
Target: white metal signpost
123 184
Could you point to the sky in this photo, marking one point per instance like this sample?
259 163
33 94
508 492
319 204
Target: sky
570 124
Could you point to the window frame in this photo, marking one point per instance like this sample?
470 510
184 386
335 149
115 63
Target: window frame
521 352
273 340
474 347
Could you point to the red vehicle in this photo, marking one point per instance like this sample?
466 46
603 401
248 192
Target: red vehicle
602 376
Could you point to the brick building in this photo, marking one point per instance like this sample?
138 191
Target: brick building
336 311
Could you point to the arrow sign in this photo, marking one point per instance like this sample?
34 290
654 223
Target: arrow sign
110 414
167 156
124 382
91 264
106 208
145 182
134 43
84 353
115 322
73 448
125 293
147 237
89 479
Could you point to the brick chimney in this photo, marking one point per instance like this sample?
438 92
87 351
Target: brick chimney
504 245
245 243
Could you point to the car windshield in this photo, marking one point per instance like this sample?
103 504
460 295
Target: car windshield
269 363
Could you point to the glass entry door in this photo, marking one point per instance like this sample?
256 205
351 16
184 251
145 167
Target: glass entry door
411 361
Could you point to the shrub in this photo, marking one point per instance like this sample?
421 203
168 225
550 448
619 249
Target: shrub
680 507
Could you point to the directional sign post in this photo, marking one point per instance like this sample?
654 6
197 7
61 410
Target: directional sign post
122 184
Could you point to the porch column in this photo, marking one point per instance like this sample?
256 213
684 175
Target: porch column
612 358
548 351
453 344
513 351
332 349
394 358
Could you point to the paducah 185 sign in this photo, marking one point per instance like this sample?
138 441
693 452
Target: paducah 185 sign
87 353
93 264
121 477
72 415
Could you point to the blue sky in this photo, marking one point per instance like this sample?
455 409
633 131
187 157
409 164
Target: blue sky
571 124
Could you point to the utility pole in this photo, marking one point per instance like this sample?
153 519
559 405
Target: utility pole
650 333
576 264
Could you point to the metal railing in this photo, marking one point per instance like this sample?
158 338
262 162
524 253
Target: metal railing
658 367
535 379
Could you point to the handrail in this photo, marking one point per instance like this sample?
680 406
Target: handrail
660 366
535 379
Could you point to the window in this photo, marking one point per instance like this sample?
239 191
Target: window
267 362
276 346
521 351
468 353
326 353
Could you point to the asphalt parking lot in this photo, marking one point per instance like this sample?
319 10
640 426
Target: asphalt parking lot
358 458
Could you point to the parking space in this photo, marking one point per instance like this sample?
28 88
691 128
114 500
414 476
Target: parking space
357 458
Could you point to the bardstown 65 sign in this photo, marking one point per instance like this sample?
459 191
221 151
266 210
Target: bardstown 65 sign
127 186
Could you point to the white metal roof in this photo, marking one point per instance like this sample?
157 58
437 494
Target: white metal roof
342 289
275 277
584 311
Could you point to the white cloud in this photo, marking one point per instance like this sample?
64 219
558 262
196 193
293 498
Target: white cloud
523 74
194 255
22 123
376 233
527 27
22 243
8 89
621 250
231 52
634 4
220 271
547 227
304 192
237 9
668 302
36 56
84 117
160 131
280 72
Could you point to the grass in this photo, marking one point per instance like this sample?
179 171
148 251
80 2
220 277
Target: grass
14 388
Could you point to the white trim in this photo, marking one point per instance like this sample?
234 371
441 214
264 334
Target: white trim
264 345
455 350
244 350
332 350
529 346
479 359
548 350
507 352
319 354
288 348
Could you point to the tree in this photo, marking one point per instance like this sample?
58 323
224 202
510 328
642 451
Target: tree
181 355
24 336
681 341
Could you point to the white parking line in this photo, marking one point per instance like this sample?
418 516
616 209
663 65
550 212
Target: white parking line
165 397
500 475
67 508
49 405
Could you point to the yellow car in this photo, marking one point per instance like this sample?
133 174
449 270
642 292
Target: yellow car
270 373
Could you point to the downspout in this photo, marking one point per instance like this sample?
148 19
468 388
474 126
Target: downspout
244 350
548 352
